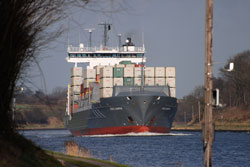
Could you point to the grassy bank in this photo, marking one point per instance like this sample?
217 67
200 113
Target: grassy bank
20 152
17 151
80 161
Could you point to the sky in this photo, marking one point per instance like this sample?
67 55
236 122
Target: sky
174 35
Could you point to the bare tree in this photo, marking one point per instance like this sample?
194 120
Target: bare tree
22 34
237 83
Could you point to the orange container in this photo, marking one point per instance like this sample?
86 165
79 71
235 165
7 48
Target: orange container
98 78
75 107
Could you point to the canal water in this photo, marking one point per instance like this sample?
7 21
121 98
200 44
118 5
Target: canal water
179 148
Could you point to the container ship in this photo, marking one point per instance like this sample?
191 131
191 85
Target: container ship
117 93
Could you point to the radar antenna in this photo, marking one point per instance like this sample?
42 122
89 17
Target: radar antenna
107 27
90 33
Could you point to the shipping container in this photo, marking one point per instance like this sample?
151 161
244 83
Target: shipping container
139 65
118 72
98 78
128 72
89 73
76 89
159 72
76 81
75 107
170 82
106 72
128 81
125 62
160 81
106 82
170 72
137 81
118 82
87 82
76 97
137 72
98 68
172 92
130 65
149 81
120 65
106 92
76 72
149 72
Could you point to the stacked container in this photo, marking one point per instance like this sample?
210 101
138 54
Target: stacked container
89 76
137 81
149 74
160 76
76 81
128 79
98 69
126 74
171 79
118 76
106 83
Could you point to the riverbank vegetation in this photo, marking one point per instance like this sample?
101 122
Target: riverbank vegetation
233 113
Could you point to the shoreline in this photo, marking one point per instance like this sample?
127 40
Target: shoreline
173 129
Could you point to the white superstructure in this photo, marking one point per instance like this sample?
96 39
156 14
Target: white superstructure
111 56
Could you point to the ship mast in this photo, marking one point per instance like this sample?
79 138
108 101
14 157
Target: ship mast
90 30
106 27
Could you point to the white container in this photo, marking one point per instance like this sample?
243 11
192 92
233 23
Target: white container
149 72
130 65
89 73
76 81
170 72
106 72
172 92
159 72
118 81
106 82
106 92
137 81
170 82
137 72
76 72
98 68
120 65
149 82
76 97
128 72
76 89
160 81
87 82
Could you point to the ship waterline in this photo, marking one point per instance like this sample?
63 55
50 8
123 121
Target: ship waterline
125 114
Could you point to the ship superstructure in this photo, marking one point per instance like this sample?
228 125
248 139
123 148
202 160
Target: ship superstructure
117 93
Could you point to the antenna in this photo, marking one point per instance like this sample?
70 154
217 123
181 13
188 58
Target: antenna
119 41
68 31
107 27
143 41
90 33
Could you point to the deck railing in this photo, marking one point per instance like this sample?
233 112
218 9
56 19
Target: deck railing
102 49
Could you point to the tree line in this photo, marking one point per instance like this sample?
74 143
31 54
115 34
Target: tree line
234 90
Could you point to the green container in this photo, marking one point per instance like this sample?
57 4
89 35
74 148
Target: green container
118 72
128 81
125 62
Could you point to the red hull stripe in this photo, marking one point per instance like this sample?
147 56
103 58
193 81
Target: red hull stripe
120 130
